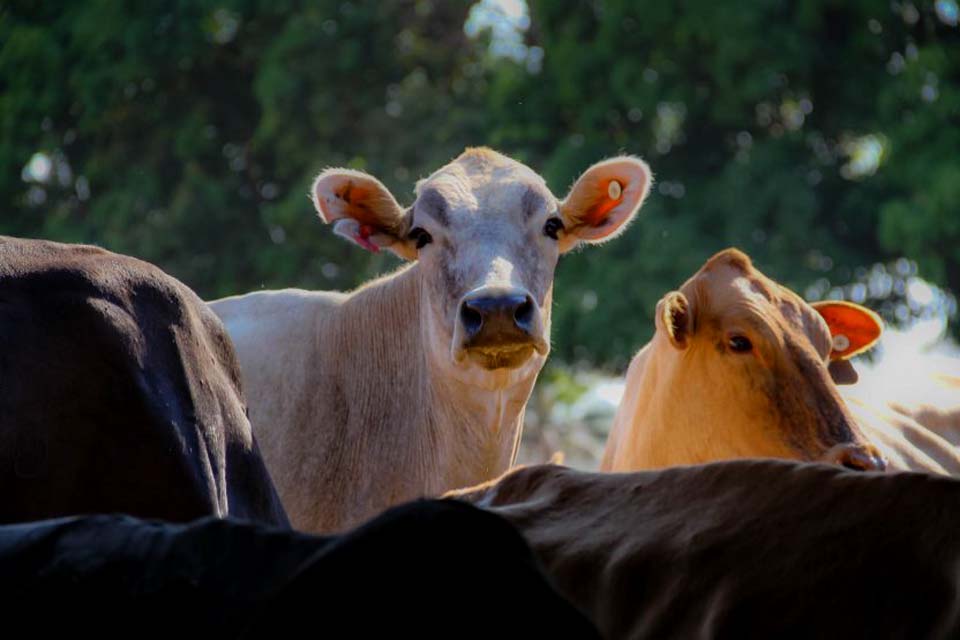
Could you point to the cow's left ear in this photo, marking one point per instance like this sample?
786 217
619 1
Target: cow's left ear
363 211
854 328
603 200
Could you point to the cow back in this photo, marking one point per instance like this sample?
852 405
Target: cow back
749 548
119 392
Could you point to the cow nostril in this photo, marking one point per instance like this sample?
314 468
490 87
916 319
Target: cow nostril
859 459
471 318
523 315
852 464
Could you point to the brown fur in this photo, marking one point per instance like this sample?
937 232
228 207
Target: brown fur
697 401
700 402
743 549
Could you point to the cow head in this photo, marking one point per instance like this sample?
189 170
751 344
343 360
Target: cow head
485 232
753 367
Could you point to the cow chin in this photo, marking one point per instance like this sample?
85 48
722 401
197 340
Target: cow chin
505 357
496 367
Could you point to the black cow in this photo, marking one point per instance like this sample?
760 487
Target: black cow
744 549
119 392
434 569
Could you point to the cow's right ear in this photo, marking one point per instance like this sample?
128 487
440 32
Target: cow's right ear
853 328
363 211
674 318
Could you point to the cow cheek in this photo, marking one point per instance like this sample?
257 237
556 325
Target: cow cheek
540 265
794 416
444 289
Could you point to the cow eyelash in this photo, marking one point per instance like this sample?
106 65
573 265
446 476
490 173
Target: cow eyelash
420 236
552 227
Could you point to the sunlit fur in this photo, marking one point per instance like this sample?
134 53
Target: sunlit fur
702 402
919 436
371 398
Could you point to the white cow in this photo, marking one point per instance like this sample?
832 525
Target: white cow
416 383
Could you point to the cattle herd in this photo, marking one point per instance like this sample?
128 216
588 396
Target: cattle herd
264 462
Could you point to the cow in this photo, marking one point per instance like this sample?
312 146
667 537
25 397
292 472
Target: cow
940 414
416 383
902 392
759 548
740 366
423 570
915 436
119 392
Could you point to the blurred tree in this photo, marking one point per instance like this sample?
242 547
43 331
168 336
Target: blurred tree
820 136
187 133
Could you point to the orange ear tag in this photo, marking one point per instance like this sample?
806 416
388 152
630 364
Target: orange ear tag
598 213
853 328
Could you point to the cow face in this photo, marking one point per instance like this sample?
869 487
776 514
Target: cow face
755 367
486 233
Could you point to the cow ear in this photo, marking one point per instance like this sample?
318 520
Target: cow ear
674 318
854 329
603 200
363 211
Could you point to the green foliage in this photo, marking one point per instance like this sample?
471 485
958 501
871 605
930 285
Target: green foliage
818 136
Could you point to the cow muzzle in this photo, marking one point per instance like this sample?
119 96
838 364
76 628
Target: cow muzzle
857 457
499 328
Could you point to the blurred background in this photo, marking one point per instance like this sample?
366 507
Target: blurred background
820 136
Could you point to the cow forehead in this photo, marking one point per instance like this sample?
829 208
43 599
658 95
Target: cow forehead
730 291
482 182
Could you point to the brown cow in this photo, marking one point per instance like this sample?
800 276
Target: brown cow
941 414
743 549
741 366
119 392
416 383
911 386
914 437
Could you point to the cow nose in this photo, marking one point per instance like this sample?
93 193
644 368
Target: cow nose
857 457
503 314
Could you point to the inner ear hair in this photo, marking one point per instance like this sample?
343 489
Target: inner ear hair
676 318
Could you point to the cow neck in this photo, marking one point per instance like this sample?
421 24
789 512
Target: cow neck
648 419
464 434
477 430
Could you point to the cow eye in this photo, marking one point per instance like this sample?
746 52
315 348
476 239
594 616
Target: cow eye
552 227
740 344
420 236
